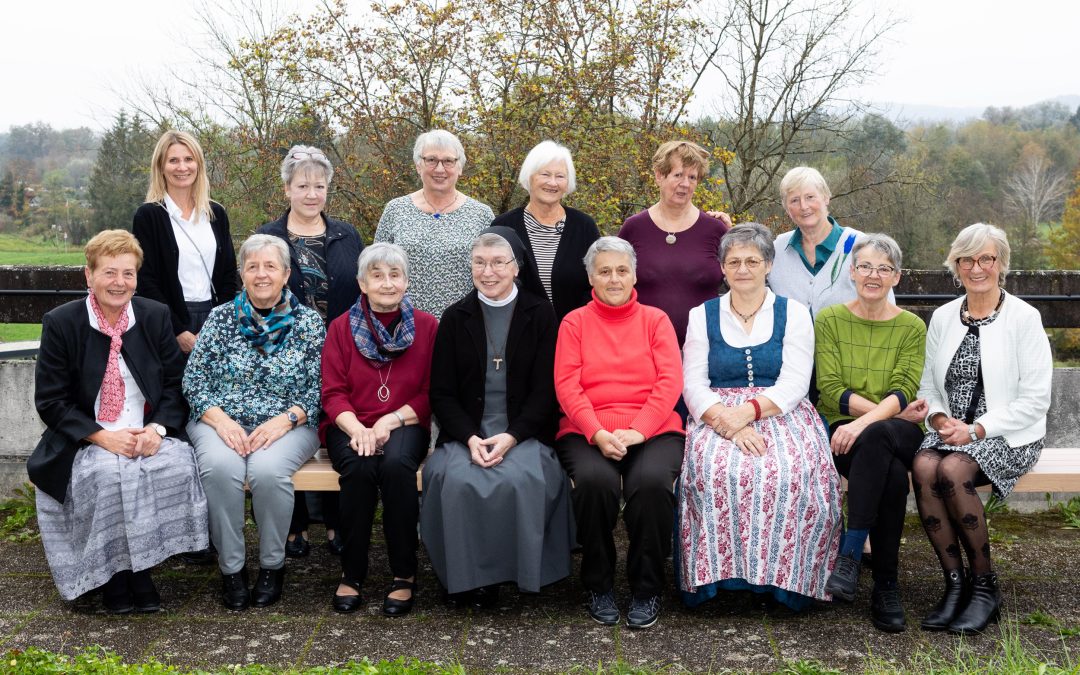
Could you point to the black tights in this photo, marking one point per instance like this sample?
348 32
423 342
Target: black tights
950 508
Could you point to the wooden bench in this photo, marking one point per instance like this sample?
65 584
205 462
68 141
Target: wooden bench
1058 470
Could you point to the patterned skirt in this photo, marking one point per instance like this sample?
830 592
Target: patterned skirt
122 514
767 524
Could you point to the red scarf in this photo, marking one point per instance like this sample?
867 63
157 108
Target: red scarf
112 387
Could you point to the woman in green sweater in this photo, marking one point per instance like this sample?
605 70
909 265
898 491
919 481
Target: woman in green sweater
869 358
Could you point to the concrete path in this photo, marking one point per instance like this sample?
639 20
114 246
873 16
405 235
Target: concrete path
546 632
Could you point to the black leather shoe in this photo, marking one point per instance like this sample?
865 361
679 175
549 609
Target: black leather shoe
485 597
335 544
144 593
983 608
234 591
297 548
347 604
116 594
267 588
395 607
844 579
948 607
886 611
203 557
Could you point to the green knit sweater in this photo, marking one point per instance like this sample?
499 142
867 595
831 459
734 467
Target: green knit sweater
871 358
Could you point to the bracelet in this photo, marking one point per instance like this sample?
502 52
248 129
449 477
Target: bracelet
757 409
399 418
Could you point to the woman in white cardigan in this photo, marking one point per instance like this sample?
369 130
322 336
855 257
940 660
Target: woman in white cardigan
987 387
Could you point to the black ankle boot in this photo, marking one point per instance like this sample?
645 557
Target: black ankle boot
950 604
982 609
116 594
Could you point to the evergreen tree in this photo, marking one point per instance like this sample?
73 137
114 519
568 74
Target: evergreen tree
121 171
1064 248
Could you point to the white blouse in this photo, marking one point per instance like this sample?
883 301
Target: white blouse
198 252
798 353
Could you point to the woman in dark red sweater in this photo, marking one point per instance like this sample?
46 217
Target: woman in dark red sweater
619 436
376 368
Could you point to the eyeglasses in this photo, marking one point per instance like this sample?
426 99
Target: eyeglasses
497 265
432 162
866 269
735 263
984 261
308 155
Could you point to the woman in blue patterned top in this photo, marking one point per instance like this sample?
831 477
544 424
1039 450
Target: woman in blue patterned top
253 384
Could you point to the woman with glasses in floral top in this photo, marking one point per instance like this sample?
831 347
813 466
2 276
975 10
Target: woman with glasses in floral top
436 224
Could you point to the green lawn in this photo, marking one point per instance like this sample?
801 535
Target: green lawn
19 332
17 250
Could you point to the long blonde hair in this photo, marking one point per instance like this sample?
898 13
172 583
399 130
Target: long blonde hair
157 189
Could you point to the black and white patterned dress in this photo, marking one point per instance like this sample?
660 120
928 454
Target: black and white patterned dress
437 246
1002 463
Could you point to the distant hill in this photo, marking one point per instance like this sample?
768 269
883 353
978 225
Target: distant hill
910 114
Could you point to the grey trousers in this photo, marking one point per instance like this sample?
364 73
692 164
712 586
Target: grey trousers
268 474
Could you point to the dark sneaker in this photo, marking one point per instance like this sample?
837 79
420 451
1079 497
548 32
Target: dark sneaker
602 608
643 612
886 612
844 579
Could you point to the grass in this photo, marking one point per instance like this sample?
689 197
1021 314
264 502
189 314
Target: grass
19 332
17 250
1069 511
18 515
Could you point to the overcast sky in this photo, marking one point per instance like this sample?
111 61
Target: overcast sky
63 62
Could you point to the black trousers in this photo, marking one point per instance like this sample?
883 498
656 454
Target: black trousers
393 474
644 478
877 468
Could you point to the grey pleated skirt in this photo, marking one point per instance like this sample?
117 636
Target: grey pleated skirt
122 514
510 523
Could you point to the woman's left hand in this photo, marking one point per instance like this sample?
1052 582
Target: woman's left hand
955 432
497 447
727 421
845 436
721 216
264 435
749 441
149 442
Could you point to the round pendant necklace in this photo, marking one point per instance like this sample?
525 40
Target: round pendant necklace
746 317
383 392
670 238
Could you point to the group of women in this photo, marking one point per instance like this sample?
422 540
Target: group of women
572 377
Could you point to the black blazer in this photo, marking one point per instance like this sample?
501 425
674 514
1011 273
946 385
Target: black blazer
70 369
459 363
161 258
570 287
343 247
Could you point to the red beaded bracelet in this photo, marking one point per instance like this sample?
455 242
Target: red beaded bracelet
757 409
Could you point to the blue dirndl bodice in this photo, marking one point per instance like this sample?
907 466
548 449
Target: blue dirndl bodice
755 366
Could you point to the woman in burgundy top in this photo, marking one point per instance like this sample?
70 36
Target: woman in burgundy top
676 242
376 367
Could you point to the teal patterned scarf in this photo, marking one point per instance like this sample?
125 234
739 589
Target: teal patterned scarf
268 333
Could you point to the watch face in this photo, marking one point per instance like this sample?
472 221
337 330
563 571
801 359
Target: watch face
161 431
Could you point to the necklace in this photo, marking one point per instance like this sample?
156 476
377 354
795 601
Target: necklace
497 359
746 317
967 319
383 392
437 211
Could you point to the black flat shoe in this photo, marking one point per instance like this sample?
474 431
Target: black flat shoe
116 594
144 593
485 597
394 607
347 604
335 545
297 548
203 557
234 591
267 588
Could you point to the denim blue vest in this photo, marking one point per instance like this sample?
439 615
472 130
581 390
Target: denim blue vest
756 366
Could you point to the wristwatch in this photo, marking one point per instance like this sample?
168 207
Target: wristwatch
971 432
161 431
293 419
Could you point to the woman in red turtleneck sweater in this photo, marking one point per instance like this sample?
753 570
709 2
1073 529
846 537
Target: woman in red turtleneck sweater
619 437
376 370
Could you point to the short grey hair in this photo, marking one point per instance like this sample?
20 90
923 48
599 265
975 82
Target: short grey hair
540 156
882 243
315 162
438 139
492 240
258 242
801 176
973 239
382 253
609 245
748 234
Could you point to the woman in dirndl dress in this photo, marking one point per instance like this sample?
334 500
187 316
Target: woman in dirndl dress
118 488
759 498
496 505
987 383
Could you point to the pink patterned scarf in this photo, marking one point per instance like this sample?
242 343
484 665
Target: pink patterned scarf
112 387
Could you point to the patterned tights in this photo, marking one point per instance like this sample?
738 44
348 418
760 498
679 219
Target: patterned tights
950 508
